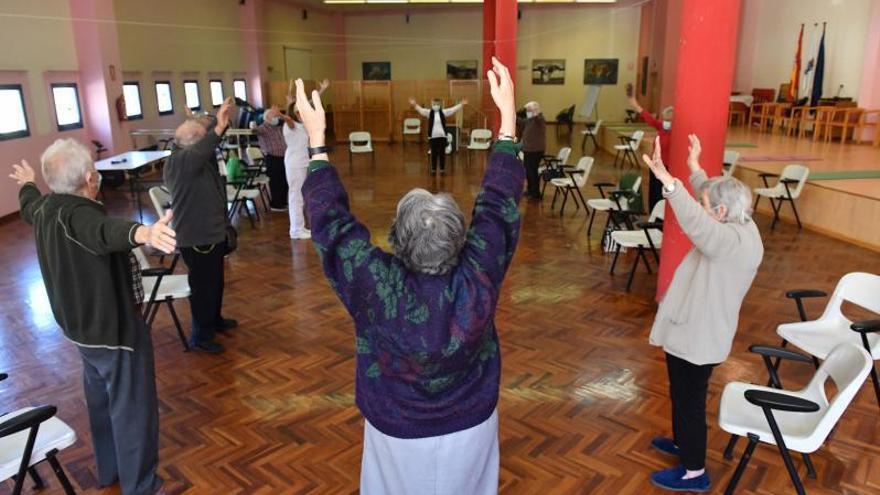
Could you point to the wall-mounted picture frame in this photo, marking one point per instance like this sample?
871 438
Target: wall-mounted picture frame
461 69
376 71
548 71
600 71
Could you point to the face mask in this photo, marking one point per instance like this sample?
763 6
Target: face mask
530 115
667 125
435 107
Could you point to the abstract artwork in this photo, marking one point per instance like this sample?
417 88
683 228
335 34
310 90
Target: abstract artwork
377 71
548 71
600 71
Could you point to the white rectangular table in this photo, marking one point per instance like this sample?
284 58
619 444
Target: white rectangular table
132 162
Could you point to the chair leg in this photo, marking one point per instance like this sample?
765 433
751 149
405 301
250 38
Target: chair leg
645 259
874 377
555 194
775 213
616 157
616 255
564 200
731 445
741 467
584 144
177 324
783 450
632 271
590 226
811 469
796 216
59 473
35 476
583 201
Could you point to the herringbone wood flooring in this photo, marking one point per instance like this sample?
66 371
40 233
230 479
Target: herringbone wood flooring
582 391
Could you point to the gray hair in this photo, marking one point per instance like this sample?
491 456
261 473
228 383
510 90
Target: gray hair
190 132
732 193
533 106
428 232
65 164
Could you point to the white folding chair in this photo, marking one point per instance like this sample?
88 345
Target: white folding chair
571 185
792 420
255 159
627 149
480 140
648 236
554 163
731 157
238 195
412 127
792 175
590 132
161 199
360 142
28 437
162 286
617 200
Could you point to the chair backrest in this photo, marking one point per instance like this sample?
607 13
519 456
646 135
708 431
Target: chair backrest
859 288
161 199
585 164
637 137
449 142
730 159
360 141
848 366
797 172
412 126
563 155
595 128
658 211
253 154
481 138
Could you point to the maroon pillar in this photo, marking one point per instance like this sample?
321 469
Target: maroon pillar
499 40
488 34
704 76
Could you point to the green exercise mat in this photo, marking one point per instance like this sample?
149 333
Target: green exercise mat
740 145
845 175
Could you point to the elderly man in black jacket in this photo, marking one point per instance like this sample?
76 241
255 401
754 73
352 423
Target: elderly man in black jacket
86 261
198 196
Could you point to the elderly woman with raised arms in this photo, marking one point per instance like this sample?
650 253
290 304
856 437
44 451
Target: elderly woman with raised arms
698 315
428 361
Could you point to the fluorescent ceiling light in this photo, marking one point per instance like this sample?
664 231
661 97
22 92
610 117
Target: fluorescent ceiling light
362 2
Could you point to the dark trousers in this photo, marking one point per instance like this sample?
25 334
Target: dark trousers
531 160
655 191
438 153
688 385
206 279
120 390
277 181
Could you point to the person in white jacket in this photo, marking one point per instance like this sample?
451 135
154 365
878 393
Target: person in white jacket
437 116
296 163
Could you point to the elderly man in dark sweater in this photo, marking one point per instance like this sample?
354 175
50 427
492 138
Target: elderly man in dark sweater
534 144
198 196
85 258
428 363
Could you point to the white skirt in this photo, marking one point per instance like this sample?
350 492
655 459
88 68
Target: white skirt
461 463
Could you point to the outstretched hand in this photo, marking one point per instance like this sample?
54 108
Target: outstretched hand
23 173
223 115
501 87
694 150
655 163
311 114
412 102
160 235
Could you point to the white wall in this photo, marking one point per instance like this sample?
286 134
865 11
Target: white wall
768 39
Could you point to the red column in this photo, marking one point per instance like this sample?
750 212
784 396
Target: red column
252 25
705 65
499 39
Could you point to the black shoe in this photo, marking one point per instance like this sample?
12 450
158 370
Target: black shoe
226 324
210 347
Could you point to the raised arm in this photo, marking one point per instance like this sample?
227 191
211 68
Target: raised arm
448 112
24 175
424 112
348 257
494 231
647 117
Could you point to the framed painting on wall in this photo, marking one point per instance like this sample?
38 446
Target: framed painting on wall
600 71
376 71
548 71
461 69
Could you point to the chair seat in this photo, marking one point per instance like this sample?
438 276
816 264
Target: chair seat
636 238
362 149
771 192
53 434
562 182
587 131
740 417
262 179
602 204
623 147
478 147
250 194
173 286
819 337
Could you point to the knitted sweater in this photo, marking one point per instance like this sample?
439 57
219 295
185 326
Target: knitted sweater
428 362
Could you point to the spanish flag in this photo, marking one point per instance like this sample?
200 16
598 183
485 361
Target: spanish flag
796 69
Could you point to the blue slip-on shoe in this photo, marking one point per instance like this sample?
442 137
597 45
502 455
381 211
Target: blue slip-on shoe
670 479
665 445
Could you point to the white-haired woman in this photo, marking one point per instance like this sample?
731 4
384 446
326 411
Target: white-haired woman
698 315
663 126
428 363
534 144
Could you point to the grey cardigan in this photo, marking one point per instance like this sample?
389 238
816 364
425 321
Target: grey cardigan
698 316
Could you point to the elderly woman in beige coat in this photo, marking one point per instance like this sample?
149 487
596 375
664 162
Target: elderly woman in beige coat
697 318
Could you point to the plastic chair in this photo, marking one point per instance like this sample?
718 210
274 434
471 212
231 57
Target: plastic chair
412 127
554 164
792 175
161 286
617 200
480 140
571 185
628 146
649 235
591 131
360 142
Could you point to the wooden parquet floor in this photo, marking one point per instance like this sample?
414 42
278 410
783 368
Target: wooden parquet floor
582 391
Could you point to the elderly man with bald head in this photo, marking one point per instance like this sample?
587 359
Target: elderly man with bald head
198 196
86 262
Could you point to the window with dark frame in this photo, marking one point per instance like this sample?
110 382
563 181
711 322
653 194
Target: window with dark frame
216 87
68 113
239 89
191 92
131 92
164 101
13 116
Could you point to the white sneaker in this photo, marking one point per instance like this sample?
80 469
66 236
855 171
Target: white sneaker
302 235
